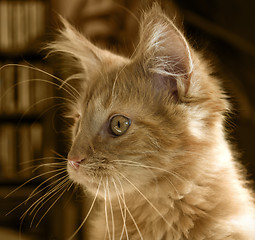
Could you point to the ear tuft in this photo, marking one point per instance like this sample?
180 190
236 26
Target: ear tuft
164 52
89 57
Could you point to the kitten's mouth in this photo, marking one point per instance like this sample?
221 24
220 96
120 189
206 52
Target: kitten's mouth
75 164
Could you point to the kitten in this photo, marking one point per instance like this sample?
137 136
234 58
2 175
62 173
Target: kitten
149 141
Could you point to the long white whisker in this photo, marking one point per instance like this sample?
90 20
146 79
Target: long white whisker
42 71
131 163
48 165
32 194
127 209
67 185
35 204
40 175
111 209
106 214
51 107
43 159
72 77
48 193
49 196
124 202
50 186
90 209
35 168
35 80
44 100
134 164
135 187
59 155
123 214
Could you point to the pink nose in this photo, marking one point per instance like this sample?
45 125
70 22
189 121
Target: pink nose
74 162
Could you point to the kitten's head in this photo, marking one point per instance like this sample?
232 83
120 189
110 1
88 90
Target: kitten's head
142 118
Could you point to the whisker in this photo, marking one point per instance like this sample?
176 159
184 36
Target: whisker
134 164
127 209
40 159
43 100
51 185
67 185
151 167
30 197
48 165
38 201
106 214
72 77
60 156
48 195
33 178
135 187
111 209
42 71
45 182
34 80
70 197
41 165
57 105
123 214
35 168
90 209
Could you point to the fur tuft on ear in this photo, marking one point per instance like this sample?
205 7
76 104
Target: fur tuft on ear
164 52
73 44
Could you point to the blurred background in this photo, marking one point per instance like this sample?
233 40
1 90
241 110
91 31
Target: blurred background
32 131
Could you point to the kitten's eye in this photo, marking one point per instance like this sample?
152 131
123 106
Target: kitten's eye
119 124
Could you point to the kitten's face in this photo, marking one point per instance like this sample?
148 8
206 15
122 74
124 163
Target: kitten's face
125 131
141 119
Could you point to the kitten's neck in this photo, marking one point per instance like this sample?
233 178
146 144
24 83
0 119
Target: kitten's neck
147 212
163 212
174 207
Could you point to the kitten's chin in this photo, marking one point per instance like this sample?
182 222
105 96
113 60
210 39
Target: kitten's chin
92 184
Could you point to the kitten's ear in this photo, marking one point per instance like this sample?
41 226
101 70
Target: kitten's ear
164 53
90 58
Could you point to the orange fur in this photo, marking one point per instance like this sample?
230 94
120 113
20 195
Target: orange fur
172 175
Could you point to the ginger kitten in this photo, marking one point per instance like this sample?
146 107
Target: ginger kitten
149 141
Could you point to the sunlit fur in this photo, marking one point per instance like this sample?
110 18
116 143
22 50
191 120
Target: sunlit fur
172 175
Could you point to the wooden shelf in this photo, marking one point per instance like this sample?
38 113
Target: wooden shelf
20 118
34 52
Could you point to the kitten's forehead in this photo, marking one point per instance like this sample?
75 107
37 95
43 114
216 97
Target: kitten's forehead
111 78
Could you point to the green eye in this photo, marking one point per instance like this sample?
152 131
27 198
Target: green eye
119 124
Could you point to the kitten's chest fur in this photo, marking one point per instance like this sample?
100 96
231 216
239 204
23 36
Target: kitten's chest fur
194 213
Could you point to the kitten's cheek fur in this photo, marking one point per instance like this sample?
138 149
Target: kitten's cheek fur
86 183
73 173
76 175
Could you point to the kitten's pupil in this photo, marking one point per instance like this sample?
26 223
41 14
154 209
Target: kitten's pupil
119 124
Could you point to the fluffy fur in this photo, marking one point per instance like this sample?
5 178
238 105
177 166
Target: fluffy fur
172 175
